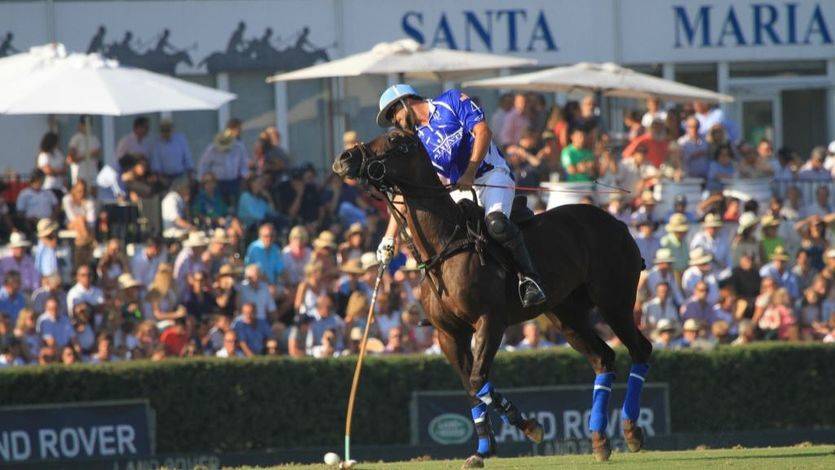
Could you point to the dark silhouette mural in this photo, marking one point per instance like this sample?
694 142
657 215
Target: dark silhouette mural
263 52
160 57
6 47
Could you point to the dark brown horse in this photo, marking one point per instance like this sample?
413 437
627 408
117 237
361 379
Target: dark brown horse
586 257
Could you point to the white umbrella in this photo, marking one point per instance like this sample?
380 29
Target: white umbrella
407 57
609 79
47 80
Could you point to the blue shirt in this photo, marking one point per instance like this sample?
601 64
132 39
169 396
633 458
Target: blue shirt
254 335
252 209
171 157
786 279
269 259
46 259
11 304
59 329
448 136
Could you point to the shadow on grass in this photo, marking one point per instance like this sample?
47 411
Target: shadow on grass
745 457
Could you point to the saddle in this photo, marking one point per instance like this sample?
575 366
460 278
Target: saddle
477 238
520 214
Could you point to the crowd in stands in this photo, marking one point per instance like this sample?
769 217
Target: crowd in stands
245 251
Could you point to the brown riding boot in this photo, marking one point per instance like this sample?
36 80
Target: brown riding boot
600 447
633 435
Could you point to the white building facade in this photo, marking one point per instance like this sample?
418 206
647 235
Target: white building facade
777 58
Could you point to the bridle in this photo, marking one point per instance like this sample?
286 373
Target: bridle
373 172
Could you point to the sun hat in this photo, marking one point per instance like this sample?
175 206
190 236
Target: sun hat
677 223
223 140
663 255
368 261
126 281
228 270
665 324
712 220
769 220
352 266
699 256
355 228
219 236
647 197
779 254
46 227
746 221
18 240
326 239
196 239
691 325
390 97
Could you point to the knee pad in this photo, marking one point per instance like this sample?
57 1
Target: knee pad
499 227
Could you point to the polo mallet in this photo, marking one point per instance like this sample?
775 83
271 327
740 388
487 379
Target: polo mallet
357 371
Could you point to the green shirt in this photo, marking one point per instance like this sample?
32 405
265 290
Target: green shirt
770 244
571 156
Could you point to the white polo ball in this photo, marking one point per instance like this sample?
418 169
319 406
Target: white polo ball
332 459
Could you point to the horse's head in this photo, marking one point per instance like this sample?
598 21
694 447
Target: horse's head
394 160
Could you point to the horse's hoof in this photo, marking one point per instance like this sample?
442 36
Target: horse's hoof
475 461
633 435
533 430
600 447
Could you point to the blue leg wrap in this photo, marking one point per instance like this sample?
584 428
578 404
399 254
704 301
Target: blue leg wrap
600 401
482 426
509 413
634 385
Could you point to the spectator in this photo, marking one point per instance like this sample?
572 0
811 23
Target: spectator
266 254
162 295
135 144
721 169
777 320
324 320
296 255
694 150
504 107
708 118
712 240
256 204
51 324
635 174
19 260
394 345
226 158
778 270
747 333
577 160
111 265
587 120
198 300
256 292
230 346
209 204
299 198
532 338
225 293
69 356
84 154
659 308
175 206
698 307
814 170
84 291
174 337
12 301
52 163
35 202
654 142
648 243
751 166
692 336
146 260
170 155
190 258
675 241
745 243
769 239
252 332
700 270
666 332
515 122
80 212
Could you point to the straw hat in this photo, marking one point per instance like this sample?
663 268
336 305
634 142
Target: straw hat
374 345
196 239
779 254
769 220
699 256
691 325
678 223
223 140
410 266
355 228
126 281
356 334
712 220
647 197
18 240
326 239
664 255
665 324
219 236
352 266
228 270
174 233
368 261
47 227
746 221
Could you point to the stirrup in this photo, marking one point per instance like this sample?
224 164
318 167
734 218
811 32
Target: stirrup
525 280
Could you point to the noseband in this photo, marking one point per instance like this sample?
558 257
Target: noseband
373 166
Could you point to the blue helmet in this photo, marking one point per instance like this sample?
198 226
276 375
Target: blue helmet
393 95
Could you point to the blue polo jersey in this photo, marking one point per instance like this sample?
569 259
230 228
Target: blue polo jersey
448 136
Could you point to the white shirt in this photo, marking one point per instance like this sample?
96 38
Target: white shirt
78 294
719 247
173 208
692 276
648 117
86 210
56 161
87 167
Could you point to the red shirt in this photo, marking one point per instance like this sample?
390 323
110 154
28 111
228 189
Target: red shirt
174 341
656 150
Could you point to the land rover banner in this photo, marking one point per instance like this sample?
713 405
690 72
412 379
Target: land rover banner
443 417
75 431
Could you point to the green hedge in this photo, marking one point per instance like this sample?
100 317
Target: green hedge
229 405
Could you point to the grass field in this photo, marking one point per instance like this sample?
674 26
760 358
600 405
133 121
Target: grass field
798 457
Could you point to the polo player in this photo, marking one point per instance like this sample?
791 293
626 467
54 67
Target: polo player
459 144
